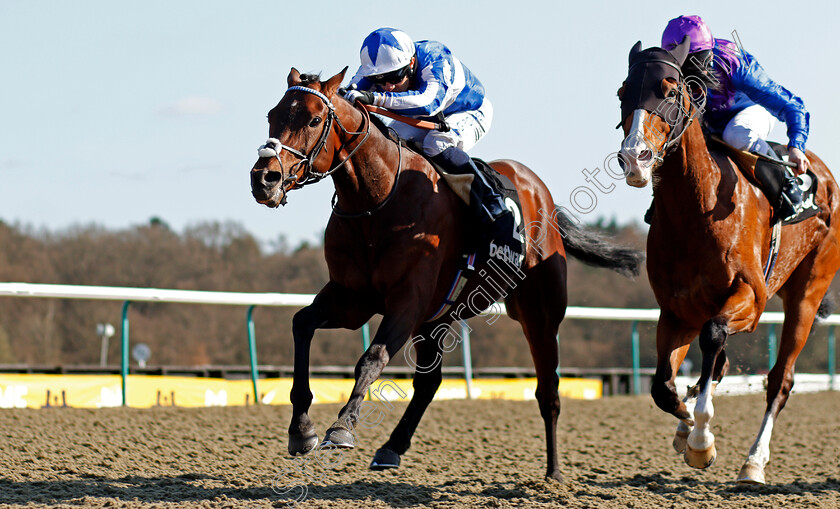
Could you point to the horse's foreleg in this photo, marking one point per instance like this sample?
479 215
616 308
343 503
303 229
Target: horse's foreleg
739 313
672 341
392 334
700 445
331 308
427 379
800 304
684 428
302 435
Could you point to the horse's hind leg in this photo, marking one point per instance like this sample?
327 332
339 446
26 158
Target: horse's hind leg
539 305
427 379
802 295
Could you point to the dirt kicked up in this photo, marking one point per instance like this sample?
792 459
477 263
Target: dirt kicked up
615 452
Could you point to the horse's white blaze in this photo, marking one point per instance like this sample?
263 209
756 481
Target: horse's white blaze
760 450
701 438
635 152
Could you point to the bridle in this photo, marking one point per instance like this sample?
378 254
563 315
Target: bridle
273 147
680 125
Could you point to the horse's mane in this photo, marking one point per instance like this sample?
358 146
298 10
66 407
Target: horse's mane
387 131
710 75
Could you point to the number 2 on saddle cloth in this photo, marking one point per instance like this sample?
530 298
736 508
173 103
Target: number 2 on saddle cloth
484 246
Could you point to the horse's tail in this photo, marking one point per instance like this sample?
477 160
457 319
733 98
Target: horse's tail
827 306
592 249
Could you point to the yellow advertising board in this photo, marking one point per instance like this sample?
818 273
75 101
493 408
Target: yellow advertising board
97 391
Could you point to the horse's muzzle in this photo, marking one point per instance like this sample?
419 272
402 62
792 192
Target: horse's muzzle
266 187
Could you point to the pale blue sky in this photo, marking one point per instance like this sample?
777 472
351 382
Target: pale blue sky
113 112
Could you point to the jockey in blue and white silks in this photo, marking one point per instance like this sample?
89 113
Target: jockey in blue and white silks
743 103
424 79
441 84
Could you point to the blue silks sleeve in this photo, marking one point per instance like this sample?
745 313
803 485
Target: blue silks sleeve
751 78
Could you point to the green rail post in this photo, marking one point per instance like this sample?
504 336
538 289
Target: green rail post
365 336
467 351
124 359
366 345
252 350
634 334
832 359
771 346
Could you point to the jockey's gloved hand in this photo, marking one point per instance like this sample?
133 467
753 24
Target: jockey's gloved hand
360 96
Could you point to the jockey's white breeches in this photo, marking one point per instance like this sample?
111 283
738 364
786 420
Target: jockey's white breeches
749 129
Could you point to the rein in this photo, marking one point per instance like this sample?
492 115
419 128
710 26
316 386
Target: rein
346 215
414 122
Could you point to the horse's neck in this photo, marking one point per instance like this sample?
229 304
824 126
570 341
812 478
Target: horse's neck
687 182
368 175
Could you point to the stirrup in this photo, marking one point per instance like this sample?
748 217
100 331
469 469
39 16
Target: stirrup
793 207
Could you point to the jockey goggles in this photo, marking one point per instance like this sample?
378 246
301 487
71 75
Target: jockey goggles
390 77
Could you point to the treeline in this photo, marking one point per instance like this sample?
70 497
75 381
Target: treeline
226 257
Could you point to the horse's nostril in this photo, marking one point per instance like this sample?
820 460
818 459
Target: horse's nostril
272 177
645 155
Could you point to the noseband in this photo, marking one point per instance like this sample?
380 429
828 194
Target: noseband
273 147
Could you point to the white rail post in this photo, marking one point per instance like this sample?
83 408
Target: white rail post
466 349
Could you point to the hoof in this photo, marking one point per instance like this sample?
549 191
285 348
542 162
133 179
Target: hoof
338 438
384 459
302 444
681 441
751 474
700 459
554 476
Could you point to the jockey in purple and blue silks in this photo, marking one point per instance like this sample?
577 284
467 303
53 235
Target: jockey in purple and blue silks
743 103
424 79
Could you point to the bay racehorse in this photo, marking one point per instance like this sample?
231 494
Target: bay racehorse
709 238
393 246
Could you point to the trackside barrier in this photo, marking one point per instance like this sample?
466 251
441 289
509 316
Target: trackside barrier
127 295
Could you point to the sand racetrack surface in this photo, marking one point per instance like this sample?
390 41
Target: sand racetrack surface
614 452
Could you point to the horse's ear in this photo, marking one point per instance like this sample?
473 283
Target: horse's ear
634 51
681 51
331 85
294 77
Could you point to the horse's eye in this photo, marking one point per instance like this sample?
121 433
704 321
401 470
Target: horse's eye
315 121
672 93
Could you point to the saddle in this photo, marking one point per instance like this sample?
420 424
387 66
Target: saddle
770 176
482 243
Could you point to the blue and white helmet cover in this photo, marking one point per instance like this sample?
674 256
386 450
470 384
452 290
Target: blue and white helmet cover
385 50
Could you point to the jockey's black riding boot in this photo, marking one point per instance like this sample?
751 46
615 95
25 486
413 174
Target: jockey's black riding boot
784 191
791 204
486 206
